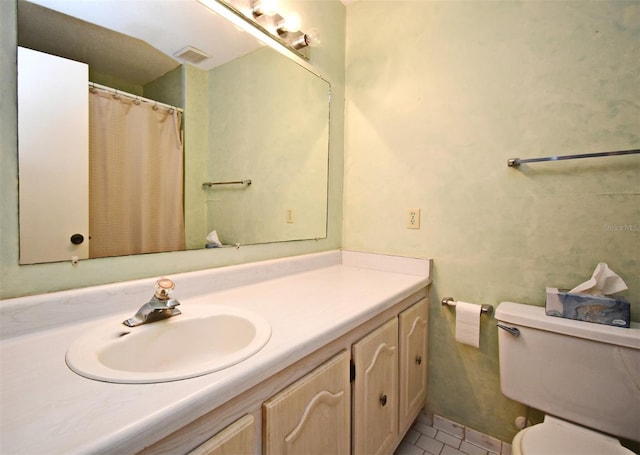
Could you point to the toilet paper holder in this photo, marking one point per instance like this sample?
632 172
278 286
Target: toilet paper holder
484 309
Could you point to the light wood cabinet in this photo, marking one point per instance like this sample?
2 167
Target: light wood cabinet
413 330
375 391
236 439
388 390
311 416
319 405
390 385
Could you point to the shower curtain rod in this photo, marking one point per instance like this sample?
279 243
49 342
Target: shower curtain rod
117 92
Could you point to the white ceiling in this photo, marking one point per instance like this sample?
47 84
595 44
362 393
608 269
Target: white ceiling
168 26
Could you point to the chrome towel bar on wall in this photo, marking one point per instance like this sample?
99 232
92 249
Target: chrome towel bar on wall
515 162
234 182
485 309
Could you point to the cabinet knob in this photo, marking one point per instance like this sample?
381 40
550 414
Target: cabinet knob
419 360
383 400
77 239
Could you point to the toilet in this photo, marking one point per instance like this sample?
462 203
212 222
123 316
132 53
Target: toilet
584 376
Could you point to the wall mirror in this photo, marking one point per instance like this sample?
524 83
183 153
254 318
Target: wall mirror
251 127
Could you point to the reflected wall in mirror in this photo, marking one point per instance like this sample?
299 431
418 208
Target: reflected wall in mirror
249 113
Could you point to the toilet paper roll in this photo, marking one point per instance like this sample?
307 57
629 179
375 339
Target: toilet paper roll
468 323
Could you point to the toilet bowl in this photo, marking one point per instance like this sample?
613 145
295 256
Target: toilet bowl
557 437
584 376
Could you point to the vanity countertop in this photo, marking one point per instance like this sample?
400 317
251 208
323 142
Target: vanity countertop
309 300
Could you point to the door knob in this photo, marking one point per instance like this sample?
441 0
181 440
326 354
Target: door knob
77 239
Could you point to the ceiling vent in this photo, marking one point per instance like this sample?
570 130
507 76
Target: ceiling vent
191 55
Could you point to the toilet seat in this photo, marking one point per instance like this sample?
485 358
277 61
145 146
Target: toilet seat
555 436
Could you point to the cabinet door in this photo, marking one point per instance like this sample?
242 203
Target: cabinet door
53 136
375 391
413 327
236 439
312 416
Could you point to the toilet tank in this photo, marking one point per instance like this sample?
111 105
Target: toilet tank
582 372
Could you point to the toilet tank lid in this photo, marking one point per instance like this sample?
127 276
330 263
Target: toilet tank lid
535 317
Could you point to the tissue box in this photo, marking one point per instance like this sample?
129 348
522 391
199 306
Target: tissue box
589 308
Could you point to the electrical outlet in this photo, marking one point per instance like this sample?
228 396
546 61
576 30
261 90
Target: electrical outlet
413 219
290 216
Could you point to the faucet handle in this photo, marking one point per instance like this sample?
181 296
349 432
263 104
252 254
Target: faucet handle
164 287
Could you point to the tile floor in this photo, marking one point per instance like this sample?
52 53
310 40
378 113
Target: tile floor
435 435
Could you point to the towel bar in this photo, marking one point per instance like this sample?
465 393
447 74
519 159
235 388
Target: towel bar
515 162
484 309
235 182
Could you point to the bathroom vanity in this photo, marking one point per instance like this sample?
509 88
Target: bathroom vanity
346 358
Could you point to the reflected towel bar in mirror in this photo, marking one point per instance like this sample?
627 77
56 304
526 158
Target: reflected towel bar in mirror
515 162
234 182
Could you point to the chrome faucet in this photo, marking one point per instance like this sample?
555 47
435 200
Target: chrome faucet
161 306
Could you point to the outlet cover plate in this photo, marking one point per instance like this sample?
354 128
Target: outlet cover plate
413 219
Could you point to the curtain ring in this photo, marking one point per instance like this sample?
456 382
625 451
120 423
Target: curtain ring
115 95
155 106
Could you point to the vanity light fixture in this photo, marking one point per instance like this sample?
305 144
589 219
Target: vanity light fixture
283 27
311 38
264 7
290 23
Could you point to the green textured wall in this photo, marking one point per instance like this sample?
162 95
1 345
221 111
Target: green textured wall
196 145
168 88
439 95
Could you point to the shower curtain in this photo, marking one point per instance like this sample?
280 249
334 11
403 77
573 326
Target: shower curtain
135 177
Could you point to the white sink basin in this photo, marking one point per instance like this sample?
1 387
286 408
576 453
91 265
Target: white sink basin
203 339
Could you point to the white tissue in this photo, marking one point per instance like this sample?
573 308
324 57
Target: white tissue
468 323
213 239
604 281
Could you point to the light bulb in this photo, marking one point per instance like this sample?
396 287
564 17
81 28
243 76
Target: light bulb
292 22
267 7
312 37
